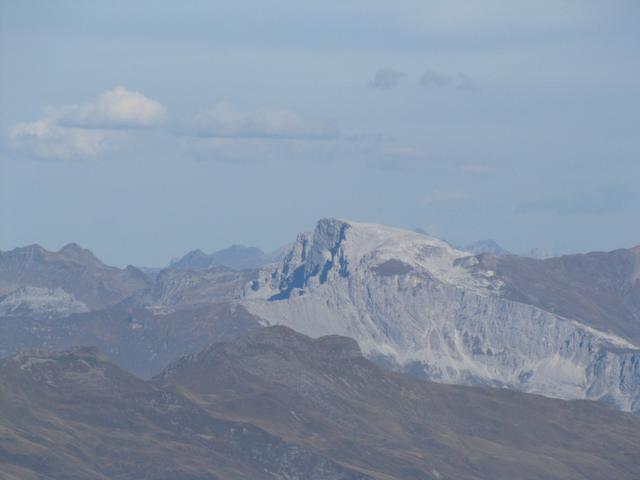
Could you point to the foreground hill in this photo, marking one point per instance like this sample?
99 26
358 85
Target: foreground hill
275 404
75 416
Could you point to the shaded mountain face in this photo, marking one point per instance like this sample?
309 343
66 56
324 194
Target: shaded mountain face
175 289
139 340
600 289
325 395
419 305
75 416
236 257
74 270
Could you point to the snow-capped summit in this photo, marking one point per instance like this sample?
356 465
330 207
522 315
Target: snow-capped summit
338 248
424 306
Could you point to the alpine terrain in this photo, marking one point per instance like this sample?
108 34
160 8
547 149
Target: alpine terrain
565 328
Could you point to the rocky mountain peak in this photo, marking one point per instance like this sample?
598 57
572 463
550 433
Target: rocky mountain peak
73 269
237 257
416 302
73 251
339 248
28 252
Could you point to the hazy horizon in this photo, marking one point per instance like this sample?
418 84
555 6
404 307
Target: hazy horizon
532 251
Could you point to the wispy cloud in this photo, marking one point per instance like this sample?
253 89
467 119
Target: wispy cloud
225 120
444 196
386 78
83 131
435 79
432 78
46 139
242 151
602 201
394 157
466 83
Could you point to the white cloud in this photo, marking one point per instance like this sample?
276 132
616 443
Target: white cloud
45 139
225 120
117 108
386 78
444 196
88 130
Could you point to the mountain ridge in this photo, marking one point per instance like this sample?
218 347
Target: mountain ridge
236 257
419 304
74 269
565 327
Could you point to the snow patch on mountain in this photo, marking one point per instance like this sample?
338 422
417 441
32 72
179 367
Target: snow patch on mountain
340 249
38 301
418 303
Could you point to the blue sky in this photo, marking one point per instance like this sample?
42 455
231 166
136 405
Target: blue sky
145 129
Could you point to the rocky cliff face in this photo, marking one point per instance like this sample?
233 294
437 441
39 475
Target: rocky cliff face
423 306
174 289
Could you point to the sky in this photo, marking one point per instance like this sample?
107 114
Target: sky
142 130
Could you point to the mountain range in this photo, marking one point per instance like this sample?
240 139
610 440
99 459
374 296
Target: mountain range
74 270
363 352
565 327
235 257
